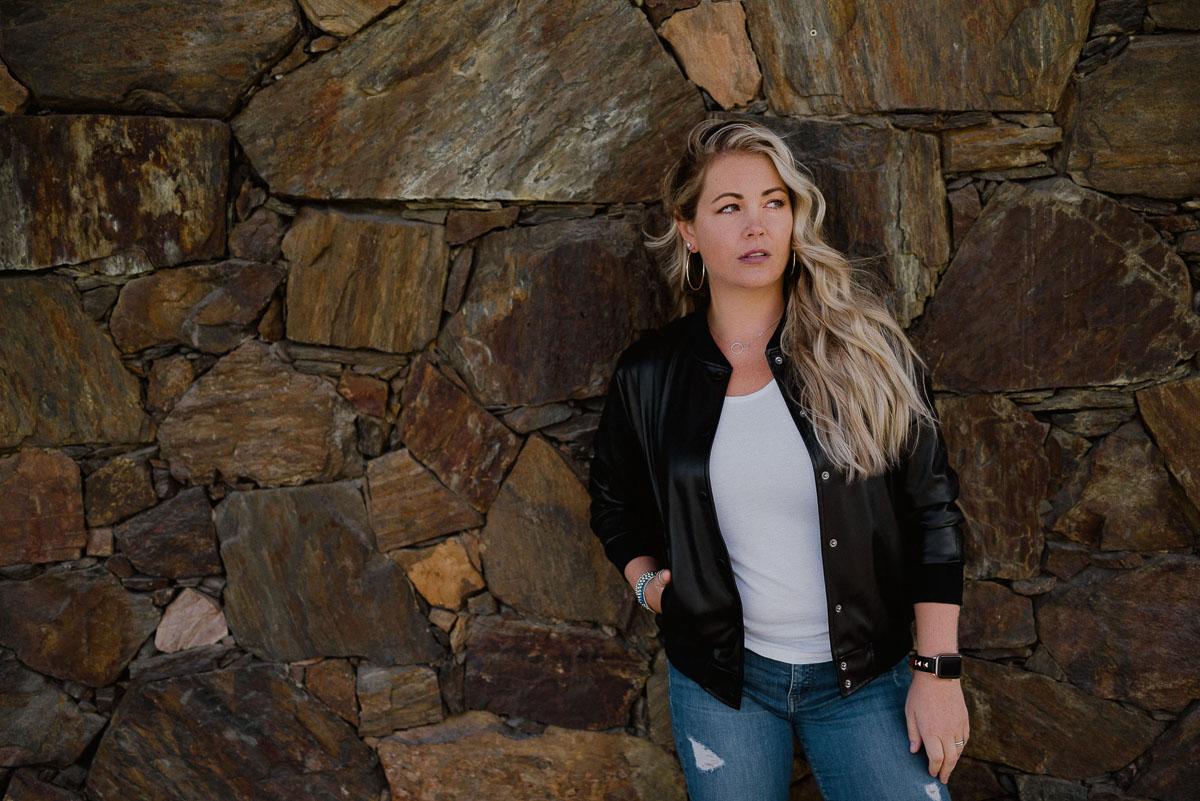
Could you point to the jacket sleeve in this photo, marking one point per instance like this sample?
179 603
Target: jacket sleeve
925 492
624 514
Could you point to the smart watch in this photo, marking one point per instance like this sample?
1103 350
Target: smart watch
944 666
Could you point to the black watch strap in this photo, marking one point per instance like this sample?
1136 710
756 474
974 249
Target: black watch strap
944 666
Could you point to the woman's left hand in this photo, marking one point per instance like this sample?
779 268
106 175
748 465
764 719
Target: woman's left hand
937 718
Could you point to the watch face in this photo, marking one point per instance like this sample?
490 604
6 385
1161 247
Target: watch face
949 667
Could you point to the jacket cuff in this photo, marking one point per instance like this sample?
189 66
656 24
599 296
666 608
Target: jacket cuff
939 583
623 549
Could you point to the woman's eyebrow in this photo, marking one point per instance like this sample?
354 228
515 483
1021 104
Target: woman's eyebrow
736 196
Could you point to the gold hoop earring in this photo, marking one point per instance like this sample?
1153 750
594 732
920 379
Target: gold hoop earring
687 273
792 269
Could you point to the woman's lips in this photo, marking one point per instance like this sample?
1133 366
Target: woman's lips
754 257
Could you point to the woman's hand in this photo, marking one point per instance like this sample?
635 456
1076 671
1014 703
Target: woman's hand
937 718
654 590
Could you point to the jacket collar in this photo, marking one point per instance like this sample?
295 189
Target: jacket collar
705 348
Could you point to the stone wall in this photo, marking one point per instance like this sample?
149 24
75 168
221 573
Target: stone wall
306 316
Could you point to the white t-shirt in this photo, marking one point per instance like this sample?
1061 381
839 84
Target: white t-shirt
765 495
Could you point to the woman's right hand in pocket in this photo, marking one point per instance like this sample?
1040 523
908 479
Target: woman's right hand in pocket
655 589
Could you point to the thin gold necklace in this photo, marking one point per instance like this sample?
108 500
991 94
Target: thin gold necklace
736 347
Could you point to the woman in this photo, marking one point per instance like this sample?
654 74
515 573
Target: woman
770 479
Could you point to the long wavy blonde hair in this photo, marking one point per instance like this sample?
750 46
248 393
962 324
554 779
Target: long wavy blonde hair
852 368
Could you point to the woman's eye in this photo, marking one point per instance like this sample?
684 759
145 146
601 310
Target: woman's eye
726 208
776 204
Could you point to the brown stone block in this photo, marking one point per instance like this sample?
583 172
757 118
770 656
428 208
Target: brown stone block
827 58
45 619
1038 725
442 574
1174 772
53 356
368 395
533 122
1046 316
464 225
162 180
964 210
39 723
169 379
565 675
364 281
251 416
710 41
539 553
1137 120
397 698
467 448
343 17
1172 413
997 451
994 617
1180 14
245 734
117 490
174 539
557 764
409 505
333 681
13 96
1128 635
258 238
41 508
997 147
25 786
973 780
550 308
192 620
100 542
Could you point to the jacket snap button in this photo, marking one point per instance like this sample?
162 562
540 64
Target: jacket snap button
779 360
846 683
833 543
837 608
843 666
824 475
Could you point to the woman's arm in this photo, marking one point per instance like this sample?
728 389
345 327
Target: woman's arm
935 710
654 590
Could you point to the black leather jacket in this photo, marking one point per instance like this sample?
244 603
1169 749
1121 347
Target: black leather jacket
887 541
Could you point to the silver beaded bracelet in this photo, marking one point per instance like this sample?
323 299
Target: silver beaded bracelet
639 589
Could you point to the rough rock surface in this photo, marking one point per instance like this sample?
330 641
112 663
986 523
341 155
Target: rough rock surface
442 574
1124 634
364 281
997 147
886 200
541 517
825 58
44 619
1046 316
565 675
397 698
1172 413
13 95
121 488
229 422
175 539
41 508
994 617
710 41
1174 772
159 186
409 505
52 355
39 723
343 17
475 759
333 681
997 451
550 307
1137 120
192 620
1129 502
1014 714
305 579
212 307
465 447
143 56
246 734
527 76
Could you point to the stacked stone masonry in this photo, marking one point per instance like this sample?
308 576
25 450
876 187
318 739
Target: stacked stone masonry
307 312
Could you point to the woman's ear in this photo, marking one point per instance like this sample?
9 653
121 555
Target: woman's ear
686 228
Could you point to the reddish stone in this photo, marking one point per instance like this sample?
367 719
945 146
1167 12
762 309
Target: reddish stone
394 698
463 226
174 539
1172 413
368 395
117 490
409 505
41 508
994 617
333 681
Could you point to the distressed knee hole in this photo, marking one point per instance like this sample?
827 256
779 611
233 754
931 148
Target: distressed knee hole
933 791
706 760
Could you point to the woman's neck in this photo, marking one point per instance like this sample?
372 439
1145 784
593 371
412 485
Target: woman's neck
740 315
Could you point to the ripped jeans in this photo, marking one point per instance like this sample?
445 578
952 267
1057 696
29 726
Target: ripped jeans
857 746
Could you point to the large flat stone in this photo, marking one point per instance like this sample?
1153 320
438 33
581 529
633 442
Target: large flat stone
139 56
305 579
1016 714
541 518
550 308
229 423
118 489
41 508
997 147
1137 120
13 95
156 189
557 764
452 435
1172 413
1128 502
45 620
1181 14
39 723
565 675
397 698
1174 772
997 451
1125 634
886 200
212 307
53 354
873 55
711 43
343 17
358 281
246 734
175 539
193 620
443 574
994 617
409 505
1047 315
544 111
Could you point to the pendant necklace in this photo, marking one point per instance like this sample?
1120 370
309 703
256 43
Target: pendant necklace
736 347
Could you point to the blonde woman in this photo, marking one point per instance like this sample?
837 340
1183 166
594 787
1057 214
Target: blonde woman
770 478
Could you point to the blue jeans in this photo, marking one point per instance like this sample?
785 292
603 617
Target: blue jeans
857 746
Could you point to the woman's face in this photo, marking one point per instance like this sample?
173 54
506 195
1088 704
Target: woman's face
743 224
